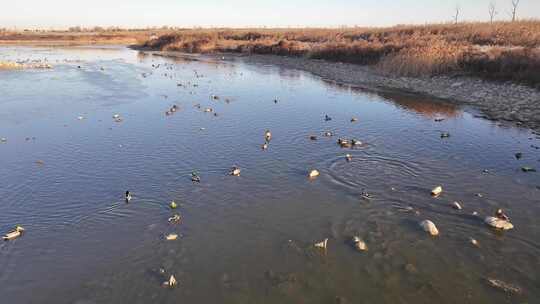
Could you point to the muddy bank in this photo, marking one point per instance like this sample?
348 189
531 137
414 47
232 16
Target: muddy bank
9 65
497 100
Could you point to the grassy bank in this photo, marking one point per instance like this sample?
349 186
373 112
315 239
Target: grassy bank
124 37
502 50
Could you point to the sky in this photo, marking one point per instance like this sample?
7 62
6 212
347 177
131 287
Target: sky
60 14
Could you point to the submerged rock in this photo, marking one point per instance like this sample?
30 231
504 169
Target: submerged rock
429 227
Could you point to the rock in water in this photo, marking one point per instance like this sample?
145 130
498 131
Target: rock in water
430 227
498 223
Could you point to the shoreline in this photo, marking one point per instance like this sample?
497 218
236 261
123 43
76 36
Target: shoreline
498 101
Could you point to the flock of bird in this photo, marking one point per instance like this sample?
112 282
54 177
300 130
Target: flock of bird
499 221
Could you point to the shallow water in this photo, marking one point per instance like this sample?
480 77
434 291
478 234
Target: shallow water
249 239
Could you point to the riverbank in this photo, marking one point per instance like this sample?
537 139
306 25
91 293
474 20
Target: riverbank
503 101
66 38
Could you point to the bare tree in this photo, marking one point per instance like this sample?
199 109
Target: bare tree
456 14
515 4
492 11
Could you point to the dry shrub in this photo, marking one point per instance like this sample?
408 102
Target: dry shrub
434 58
518 64
357 52
404 50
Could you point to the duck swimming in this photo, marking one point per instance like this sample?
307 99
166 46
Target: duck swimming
267 135
195 177
175 218
313 173
15 233
328 134
327 118
500 215
235 171
128 196
499 221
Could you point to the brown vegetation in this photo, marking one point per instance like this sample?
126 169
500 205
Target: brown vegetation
499 50
78 37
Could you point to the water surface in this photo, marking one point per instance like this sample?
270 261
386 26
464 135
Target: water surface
249 239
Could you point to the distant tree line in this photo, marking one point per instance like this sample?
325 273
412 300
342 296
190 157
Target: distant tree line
492 10
80 29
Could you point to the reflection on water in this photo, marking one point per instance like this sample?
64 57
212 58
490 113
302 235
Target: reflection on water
249 239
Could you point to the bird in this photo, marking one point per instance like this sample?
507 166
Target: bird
13 234
235 171
267 135
128 196
500 215
195 177
327 118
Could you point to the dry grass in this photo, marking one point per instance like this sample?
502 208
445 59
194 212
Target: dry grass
77 38
502 50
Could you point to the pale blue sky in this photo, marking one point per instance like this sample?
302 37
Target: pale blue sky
241 13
